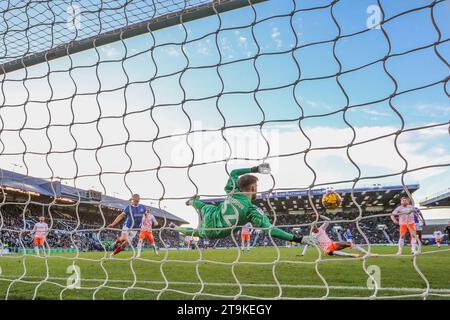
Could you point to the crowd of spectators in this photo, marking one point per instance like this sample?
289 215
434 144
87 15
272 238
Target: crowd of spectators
16 228
68 232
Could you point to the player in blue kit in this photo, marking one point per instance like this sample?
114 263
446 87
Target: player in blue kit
133 214
205 243
348 236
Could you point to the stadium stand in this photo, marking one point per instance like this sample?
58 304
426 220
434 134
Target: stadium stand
75 216
292 213
439 199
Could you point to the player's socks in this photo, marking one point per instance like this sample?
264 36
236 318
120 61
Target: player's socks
358 248
419 246
155 249
36 249
139 248
119 248
304 249
400 246
117 243
413 245
345 254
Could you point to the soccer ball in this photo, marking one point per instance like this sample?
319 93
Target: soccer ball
331 200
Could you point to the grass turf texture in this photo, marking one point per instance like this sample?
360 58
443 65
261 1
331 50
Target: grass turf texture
178 278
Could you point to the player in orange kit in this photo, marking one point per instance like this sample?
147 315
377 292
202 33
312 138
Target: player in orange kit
245 236
437 237
405 213
40 231
320 238
148 222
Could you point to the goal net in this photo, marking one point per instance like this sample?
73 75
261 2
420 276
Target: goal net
103 100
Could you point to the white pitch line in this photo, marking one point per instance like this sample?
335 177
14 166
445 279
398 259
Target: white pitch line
220 284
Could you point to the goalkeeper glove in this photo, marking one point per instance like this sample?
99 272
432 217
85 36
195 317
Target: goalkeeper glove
310 240
304 240
263 168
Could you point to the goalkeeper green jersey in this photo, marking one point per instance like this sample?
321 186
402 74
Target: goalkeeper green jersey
235 211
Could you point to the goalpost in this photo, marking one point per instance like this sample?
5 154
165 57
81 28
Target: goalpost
164 98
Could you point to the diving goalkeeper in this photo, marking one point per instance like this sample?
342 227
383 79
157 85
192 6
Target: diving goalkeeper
237 209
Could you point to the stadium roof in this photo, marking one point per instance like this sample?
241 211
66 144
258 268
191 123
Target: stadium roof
42 187
377 195
440 199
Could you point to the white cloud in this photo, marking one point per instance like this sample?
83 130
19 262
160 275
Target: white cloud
289 172
110 51
434 131
276 37
318 104
172 51
432 109
226 46
374 112
421 148
202 48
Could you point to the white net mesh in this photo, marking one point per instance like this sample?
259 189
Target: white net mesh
166 98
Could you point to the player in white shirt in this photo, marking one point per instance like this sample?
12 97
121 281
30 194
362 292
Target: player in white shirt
187 242
40 231
148 222
437 237
245 236
405 213
320 238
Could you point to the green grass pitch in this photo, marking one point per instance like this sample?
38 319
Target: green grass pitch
175 275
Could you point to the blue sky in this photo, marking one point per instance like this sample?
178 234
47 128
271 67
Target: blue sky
239 106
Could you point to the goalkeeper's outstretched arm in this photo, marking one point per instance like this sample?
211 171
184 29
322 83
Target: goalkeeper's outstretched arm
262 221
232 183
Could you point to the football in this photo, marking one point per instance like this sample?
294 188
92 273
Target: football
331 200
